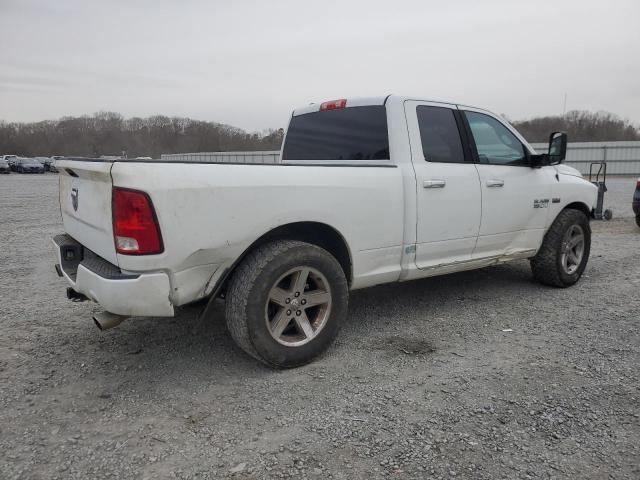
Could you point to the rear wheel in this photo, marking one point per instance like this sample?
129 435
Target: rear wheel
638 220
286 303
565 249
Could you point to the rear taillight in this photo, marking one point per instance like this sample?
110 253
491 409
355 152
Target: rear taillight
333 104
135 226
638 183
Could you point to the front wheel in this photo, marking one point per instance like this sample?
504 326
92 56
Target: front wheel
565 249
286 302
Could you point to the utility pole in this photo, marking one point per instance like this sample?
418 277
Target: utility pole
564 108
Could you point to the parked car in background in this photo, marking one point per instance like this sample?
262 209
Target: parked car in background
53 167
4 166
11 160
48 163
28 165
368 191
636 202
44 161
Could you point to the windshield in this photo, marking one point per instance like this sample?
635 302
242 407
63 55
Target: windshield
353 133
29 161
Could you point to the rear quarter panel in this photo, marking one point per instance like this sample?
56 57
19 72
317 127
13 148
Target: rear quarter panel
210 213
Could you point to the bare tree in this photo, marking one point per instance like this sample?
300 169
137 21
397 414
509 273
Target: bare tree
581 126
108 133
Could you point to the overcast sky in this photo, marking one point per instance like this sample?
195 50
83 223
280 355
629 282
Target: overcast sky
249 63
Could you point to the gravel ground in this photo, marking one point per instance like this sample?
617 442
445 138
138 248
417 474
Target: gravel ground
478 375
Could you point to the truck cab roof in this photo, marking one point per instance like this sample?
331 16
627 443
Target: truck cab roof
373 100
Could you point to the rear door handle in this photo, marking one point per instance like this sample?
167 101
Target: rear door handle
494 182
434 183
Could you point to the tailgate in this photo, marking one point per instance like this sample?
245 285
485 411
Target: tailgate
85 204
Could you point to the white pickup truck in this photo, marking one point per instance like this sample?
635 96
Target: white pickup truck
368 191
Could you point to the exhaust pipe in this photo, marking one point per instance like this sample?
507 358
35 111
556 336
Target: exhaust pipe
106 320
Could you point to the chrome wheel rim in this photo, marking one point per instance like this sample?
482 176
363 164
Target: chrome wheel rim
572 249
298 306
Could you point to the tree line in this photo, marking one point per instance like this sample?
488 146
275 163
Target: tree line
109 133
580 126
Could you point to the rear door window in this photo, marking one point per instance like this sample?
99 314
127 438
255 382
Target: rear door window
352 133
439 135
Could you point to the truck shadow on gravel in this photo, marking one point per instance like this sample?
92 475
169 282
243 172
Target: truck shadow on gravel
402 319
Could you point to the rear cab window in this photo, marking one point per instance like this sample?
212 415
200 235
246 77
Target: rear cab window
351 133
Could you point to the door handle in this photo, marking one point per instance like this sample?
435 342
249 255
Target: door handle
434 183
494 182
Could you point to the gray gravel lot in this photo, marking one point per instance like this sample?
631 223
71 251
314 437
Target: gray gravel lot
424 381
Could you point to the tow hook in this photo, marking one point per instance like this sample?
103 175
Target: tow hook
75 296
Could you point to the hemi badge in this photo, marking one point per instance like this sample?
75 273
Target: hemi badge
555 200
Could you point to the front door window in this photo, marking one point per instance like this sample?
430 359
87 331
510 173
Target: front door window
496 145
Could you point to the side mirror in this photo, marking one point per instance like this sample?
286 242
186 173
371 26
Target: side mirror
557 147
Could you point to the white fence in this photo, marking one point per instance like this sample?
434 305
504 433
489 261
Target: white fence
225 157
623 158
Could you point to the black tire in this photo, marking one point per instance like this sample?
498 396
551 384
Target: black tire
638 220
547 266
247 302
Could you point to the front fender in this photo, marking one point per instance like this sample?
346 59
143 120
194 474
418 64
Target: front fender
571 190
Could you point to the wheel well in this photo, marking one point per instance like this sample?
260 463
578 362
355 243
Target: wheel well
315 233
580 207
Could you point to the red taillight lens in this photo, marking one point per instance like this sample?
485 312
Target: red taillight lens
638 183
135 226
333 104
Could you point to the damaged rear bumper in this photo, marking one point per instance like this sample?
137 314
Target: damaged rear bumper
120 293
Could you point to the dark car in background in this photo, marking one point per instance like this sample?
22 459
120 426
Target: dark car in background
29 165
635 204
4 166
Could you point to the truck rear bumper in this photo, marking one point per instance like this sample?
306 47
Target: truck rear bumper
120 293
